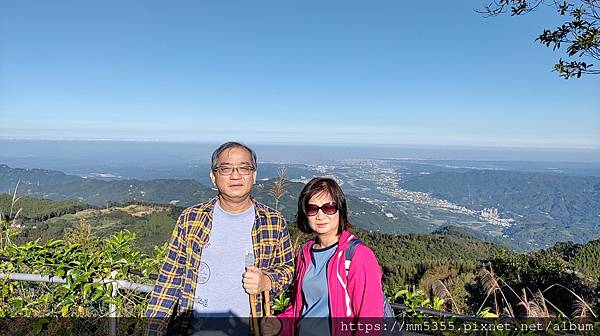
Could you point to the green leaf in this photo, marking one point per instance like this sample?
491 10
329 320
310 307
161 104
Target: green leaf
98 294
38 325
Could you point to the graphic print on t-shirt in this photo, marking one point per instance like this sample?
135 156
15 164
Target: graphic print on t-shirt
204 273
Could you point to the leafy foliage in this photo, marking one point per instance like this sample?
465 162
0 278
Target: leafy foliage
580 32
280 303
416 298
79 265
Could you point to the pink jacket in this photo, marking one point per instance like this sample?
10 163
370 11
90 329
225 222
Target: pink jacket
358 295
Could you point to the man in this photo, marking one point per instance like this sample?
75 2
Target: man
204 272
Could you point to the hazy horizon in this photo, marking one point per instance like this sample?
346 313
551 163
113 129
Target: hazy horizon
148 152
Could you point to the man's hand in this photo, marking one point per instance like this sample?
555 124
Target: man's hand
254 281
270 326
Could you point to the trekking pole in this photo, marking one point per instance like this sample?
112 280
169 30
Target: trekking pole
253 314
249 261
267 303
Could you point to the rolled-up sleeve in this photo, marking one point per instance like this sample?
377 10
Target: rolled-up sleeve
281 269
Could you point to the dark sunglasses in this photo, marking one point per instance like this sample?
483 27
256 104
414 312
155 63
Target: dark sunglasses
328 209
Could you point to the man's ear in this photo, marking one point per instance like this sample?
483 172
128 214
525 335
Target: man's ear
254 177
212 178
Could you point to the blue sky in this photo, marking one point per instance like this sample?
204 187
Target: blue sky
363 72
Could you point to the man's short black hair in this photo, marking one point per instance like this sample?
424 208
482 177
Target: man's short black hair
228 145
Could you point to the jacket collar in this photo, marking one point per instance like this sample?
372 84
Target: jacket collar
345 238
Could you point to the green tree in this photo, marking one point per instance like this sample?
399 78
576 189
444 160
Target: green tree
580 32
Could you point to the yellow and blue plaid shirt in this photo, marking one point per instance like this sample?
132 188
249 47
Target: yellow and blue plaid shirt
176 281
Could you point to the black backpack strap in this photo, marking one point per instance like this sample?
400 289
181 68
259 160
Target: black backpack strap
388 311
350 253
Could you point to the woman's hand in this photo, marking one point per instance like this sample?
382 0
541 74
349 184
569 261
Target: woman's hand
270 326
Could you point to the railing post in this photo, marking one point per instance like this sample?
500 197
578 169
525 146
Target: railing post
112 314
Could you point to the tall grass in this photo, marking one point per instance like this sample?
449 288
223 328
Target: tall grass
9 224
534 304
279 187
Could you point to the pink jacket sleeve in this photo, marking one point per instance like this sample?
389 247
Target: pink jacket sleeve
364 284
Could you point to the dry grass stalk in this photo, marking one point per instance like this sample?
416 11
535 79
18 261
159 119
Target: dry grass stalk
535 307
540 308
491 283
440 290
11 221
14 219
525 303
279 186
82 234
488 280
580 308
580 300
14 200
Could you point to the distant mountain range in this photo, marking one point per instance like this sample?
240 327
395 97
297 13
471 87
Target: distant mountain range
546 207
56 185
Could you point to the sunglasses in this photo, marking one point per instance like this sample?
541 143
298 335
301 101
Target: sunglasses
327 208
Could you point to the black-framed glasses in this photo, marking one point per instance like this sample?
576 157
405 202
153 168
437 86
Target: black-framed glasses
228 170
328 208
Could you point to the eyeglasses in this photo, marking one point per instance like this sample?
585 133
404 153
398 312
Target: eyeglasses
328 208
228 170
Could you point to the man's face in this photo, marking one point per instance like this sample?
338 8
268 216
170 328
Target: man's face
234 186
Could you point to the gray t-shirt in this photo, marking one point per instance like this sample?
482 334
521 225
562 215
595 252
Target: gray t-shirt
219 291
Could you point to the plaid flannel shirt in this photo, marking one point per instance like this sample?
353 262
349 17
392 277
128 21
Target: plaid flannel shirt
176 281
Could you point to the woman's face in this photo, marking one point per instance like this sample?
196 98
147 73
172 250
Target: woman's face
322 224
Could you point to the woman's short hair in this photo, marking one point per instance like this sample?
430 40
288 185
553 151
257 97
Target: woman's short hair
316 186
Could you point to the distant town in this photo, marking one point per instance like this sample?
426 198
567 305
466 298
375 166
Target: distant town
385 179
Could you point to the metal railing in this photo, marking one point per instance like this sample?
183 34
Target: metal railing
144 288
116 285
440 313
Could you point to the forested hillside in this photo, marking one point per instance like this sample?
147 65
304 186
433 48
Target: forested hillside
451 257
37 210
547 208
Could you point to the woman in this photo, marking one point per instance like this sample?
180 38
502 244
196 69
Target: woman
326 294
